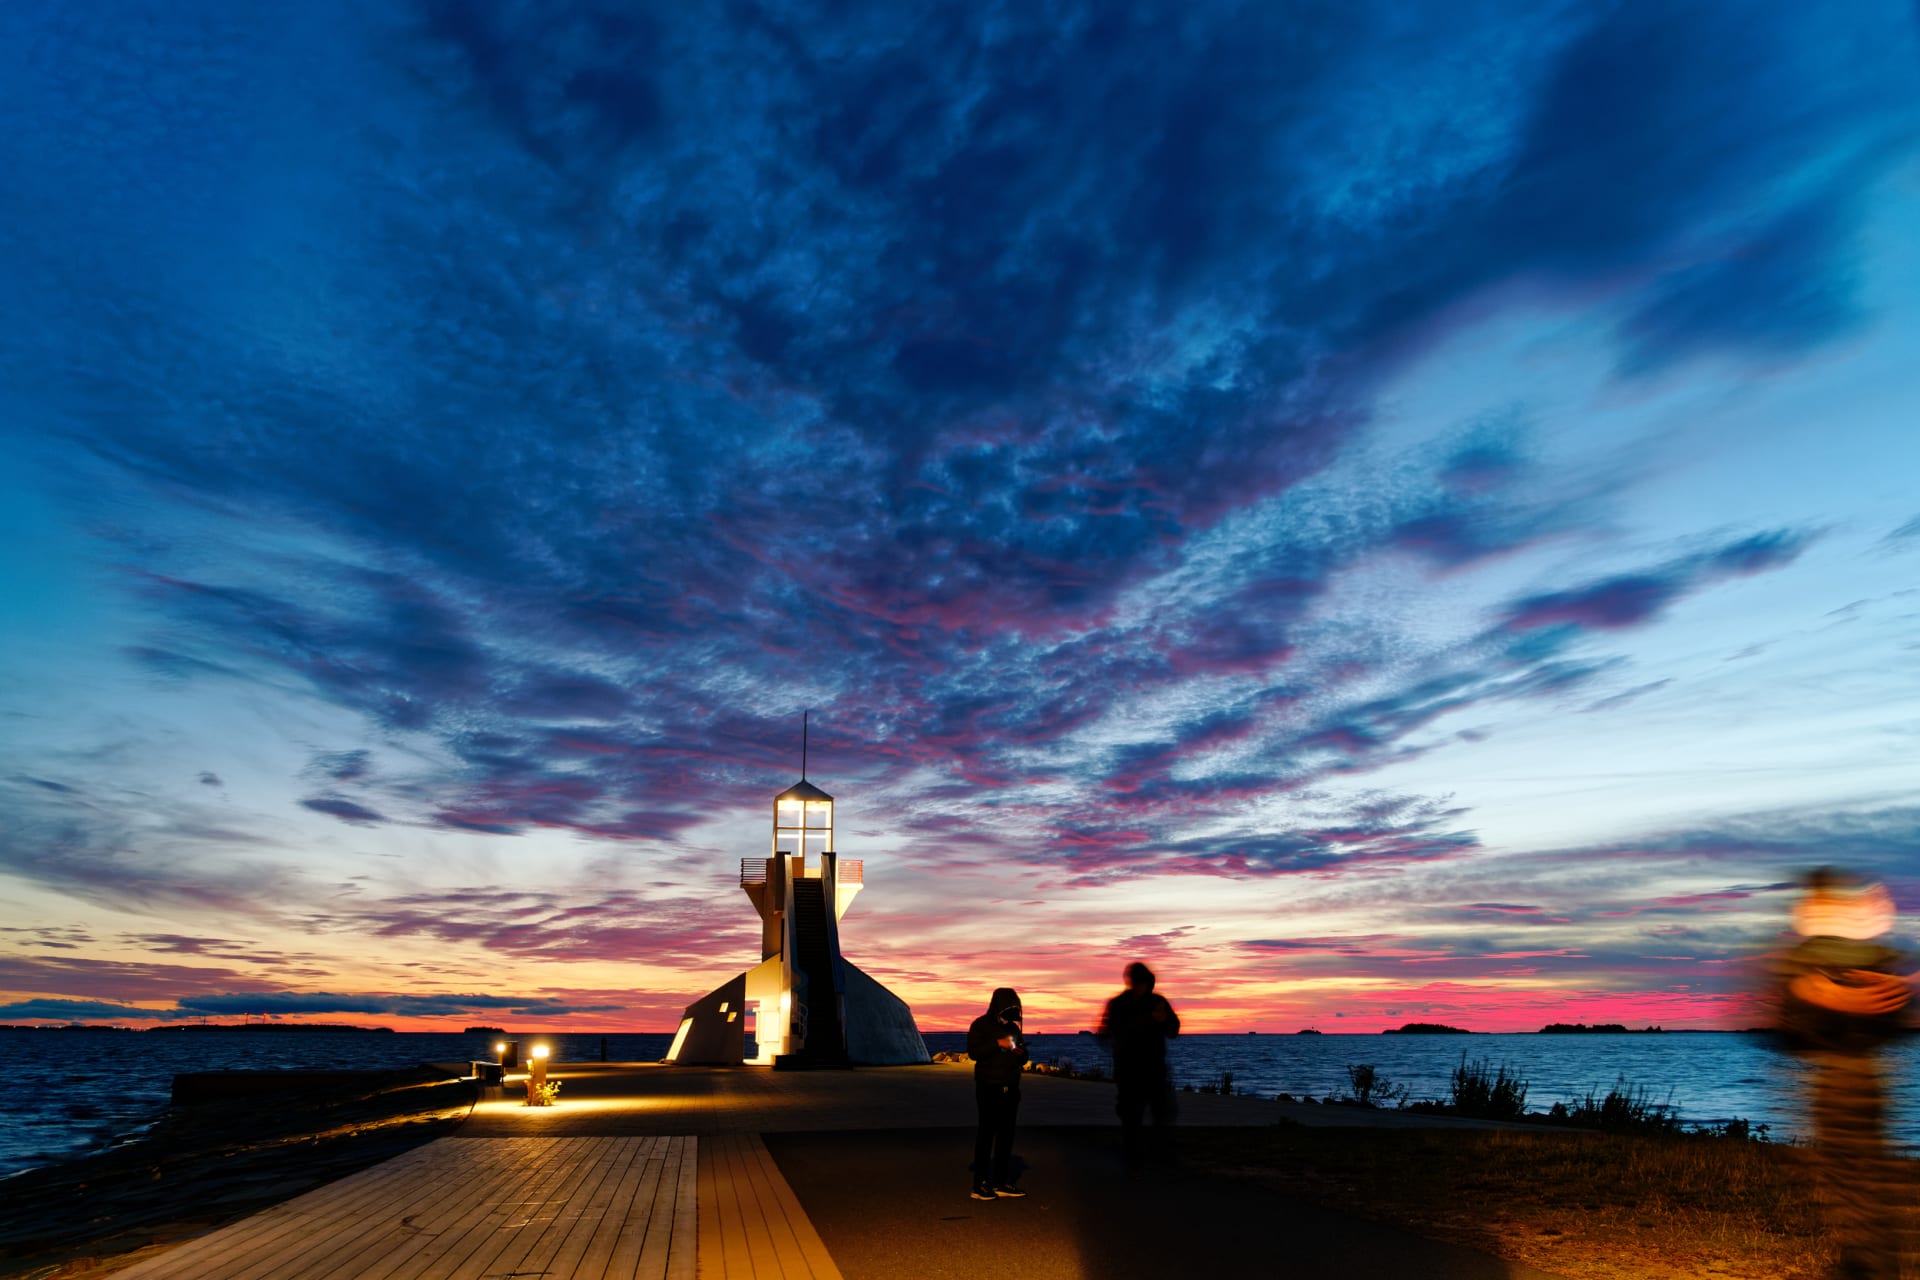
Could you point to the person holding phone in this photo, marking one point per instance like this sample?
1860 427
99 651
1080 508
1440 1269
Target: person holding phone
999 1051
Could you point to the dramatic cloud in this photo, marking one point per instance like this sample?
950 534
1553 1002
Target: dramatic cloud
1210 447
612 927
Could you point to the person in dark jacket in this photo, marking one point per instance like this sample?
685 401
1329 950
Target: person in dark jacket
998 1050
1136 1026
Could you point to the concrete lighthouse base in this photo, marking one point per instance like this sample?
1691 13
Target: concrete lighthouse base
713 1028
880 1030
879 1025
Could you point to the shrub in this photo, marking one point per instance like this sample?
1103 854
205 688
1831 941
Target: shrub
1370 1088
1625 1109
1481 1090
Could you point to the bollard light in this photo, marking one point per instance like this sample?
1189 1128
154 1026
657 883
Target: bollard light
500 1048
539 1092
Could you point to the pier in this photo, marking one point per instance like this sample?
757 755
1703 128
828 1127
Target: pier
684 1173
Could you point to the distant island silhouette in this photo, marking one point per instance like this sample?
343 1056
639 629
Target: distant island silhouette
1426 1029
194 1026
1598 1028
267 1026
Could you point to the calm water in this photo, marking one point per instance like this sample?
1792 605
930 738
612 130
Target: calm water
1708 1078
101 1087
77 1091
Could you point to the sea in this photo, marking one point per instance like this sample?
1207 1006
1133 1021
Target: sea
78 1090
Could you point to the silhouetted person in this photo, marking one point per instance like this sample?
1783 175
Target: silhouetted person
998 1051
1839 1001
1136 1025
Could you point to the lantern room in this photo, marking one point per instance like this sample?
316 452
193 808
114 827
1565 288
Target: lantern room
803 824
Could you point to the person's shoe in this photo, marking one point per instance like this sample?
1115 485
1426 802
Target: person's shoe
1007 1191
981 1191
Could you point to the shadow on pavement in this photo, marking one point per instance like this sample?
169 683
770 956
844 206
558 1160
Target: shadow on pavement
891 1203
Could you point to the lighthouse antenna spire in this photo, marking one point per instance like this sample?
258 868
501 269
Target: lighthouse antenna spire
803 744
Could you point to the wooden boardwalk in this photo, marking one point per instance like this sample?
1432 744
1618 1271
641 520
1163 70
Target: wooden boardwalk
567 1208
756 1229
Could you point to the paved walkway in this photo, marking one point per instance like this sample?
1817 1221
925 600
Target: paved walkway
894 1203
657 1173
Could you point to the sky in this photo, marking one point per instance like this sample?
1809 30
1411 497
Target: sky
1386 512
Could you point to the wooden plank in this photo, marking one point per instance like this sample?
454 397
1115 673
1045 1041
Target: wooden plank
787 1256
564 1208
751 1225
669 1225
253 1243
597 1252
623 1254
733 1259
532 1249
499 1238
359 1227
383 1236
472 1179
683 1245
711 1255
516 1221
486 1210
774 1258
763 1247
807 1241
559 1255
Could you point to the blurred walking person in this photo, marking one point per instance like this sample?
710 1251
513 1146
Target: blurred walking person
1839 1001
998 1050
1136 1026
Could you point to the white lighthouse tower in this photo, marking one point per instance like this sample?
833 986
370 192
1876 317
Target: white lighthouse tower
810 1005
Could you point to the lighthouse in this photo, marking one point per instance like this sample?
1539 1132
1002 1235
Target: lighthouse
810 1005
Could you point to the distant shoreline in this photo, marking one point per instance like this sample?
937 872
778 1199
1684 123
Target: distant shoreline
1410 1029
333 1028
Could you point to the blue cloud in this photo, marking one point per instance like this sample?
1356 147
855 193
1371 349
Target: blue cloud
1906 532
1635 599
345 810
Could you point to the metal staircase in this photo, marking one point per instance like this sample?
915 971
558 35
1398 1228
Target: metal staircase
826 1043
